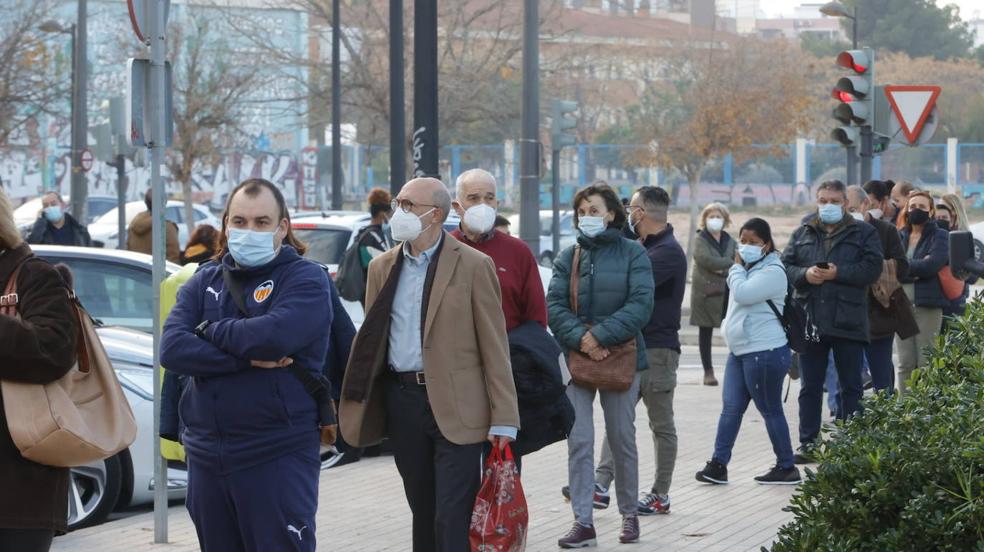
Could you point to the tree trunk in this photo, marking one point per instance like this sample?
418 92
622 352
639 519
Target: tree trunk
694 184
189 211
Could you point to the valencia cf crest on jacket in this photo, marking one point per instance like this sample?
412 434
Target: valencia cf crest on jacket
263 291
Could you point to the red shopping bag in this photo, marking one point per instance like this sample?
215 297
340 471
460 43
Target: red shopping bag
500 518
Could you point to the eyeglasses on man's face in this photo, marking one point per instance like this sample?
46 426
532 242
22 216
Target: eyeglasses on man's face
407 206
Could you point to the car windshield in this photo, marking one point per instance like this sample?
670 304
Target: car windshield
325 245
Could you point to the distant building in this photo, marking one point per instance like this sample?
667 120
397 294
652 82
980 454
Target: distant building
806 19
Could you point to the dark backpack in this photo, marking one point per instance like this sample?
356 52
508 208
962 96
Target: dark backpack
801 333
351 277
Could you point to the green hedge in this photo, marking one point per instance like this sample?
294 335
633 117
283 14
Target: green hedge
909 473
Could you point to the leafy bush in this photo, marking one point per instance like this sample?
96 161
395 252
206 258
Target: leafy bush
909 473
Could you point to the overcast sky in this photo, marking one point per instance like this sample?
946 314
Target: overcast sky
775 8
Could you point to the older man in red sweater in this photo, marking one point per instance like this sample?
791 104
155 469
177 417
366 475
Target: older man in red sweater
519 278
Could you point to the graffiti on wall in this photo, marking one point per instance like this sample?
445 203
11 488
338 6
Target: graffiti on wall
24 177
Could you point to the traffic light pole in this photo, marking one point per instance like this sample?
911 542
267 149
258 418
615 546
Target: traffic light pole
867 154
555 201
852 165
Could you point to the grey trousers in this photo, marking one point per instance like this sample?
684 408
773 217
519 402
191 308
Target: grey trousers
912 351
619 411
656 387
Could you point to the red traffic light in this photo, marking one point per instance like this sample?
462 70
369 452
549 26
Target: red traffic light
842 96
856 60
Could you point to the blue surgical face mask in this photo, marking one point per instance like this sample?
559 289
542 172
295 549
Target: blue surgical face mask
591 226
251 249
830 213
53 213
750 253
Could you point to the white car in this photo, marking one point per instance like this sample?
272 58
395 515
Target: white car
126 479
568 236
115 287
105 229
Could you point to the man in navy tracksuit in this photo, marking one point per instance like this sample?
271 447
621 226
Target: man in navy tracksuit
250 428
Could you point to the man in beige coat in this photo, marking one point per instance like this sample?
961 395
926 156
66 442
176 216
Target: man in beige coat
430 366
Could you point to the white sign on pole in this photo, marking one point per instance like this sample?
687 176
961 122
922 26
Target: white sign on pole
138 115
914 107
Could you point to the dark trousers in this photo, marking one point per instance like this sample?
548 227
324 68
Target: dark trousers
879 354
440 478
26 540
266 507
848 356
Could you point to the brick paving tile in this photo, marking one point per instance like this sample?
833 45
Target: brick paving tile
362 506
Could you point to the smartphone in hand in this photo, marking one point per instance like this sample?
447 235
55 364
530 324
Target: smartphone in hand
823 265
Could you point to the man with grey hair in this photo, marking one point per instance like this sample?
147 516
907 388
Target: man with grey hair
523 299
519 278
830 261
430 366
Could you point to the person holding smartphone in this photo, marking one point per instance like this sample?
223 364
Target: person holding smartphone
830 262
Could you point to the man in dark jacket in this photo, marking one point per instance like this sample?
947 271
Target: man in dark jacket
830 261
56 227
251 429
648 215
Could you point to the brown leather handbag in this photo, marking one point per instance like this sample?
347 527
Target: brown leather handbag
614 373
82 417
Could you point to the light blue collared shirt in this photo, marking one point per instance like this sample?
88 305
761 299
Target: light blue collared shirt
405 341
405 353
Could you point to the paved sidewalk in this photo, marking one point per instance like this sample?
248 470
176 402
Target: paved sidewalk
362 506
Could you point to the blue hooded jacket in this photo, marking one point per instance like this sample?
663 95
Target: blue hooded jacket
236 416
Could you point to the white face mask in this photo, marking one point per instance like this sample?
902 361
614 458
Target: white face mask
591 226
715 224
858 216
407 226
479 218
876 213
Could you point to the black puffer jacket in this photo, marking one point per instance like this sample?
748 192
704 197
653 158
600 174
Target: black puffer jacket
546 414
838 308
932 253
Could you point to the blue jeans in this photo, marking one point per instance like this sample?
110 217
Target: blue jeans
848 358
757 377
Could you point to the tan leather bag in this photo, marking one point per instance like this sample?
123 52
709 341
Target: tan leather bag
618 370
81 418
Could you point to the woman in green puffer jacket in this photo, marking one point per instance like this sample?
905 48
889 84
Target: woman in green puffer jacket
615 301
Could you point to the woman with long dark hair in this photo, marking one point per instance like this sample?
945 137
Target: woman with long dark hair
928 249
759 355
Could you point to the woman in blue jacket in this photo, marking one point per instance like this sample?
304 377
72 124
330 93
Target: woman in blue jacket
615 301
927 246
759 355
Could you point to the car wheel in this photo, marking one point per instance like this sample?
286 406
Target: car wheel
93 491
546 259
979 250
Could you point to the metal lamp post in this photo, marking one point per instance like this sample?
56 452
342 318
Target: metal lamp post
79 114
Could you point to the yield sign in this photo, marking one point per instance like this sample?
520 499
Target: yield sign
912 104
